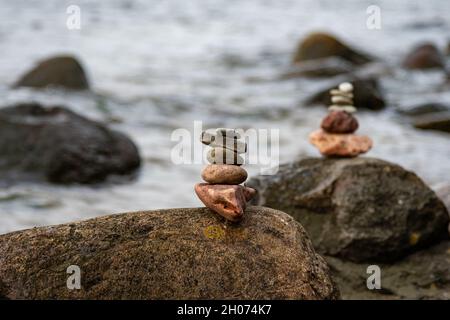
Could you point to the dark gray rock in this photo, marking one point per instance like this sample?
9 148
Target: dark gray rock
58 145
359 209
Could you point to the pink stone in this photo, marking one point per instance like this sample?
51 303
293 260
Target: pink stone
342 145
227 200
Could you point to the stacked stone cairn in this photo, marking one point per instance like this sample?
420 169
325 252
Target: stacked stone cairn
223 192
337 134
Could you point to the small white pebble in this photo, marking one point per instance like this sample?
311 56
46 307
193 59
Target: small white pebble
346 87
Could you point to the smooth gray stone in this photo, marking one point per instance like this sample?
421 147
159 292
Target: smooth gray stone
224 156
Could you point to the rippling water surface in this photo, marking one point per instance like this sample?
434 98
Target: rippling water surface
160 65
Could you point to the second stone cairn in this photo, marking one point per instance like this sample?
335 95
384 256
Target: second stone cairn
223 192
337 134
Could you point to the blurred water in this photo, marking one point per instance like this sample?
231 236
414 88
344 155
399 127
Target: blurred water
160 65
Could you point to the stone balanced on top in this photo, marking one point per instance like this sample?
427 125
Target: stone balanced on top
337 138
223 192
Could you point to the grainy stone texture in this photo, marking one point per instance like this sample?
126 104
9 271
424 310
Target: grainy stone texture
62 71
167 254
58 145
359 209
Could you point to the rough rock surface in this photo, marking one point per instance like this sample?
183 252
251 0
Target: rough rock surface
322 45
168 254
425 56
367 95
422 275
359 209
62 71
58 145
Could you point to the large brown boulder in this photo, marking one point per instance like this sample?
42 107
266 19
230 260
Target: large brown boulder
58 145
322 45
424 56
367 94
167 254
359 209
61 71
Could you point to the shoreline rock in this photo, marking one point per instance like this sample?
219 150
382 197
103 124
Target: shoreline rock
424 56
167 254
357 209
319 45
60 146
59 71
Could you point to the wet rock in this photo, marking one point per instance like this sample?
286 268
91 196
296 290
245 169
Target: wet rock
323 45
339 122
224 174
62 71
340 144
167 254
422 275
227 200
367 95
439 121
58 145
359 209
425 56
321 68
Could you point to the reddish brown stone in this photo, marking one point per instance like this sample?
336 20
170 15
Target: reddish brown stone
227 200
340 144
339 122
